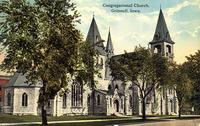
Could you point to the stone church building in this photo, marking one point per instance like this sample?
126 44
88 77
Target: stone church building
111 96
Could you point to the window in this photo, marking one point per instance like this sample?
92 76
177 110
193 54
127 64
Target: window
130 101
88 99
49 104
109 88
24 99
157 49
77 94
110 102
9 99
116 87
98 100
122 103
97 38
169 50
64 100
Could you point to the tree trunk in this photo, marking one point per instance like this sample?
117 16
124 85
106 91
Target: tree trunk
179 111
143 109
43 108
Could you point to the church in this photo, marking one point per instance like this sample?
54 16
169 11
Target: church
111 97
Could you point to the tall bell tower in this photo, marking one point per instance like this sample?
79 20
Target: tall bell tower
162 42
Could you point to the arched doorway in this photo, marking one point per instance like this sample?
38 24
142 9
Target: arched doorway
116 103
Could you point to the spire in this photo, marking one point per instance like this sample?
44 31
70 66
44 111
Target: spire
94 37
161 33
109 46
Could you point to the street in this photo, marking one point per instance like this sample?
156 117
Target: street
193 122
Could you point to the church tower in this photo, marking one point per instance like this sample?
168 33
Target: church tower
94 38
109 54
109 46
162 42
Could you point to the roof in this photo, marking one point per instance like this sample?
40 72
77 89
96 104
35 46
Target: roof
161 33
5 77
94 38
19 80
109 46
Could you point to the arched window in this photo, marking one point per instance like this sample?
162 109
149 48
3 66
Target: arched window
130 101
169 50
88 99
157 49
98 99
110 102
24 99
9 99
116 86
77 93
109 88
64 100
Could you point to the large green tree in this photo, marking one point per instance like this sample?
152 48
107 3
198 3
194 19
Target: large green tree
192 66
40 41
180 82
143 68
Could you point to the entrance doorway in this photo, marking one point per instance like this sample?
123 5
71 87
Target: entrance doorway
116 103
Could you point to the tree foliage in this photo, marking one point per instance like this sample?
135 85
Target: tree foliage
192 66
144 69
180 82
41 41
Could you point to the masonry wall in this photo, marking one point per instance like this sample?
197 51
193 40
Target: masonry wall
31 108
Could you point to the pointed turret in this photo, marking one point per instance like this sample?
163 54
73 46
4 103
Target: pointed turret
161 33
109 46
94 37
162 42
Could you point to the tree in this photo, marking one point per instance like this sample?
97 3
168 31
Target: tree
192 66
144 69
181 83
41 41
90 67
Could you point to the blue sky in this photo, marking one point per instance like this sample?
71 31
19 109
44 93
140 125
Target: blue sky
131 29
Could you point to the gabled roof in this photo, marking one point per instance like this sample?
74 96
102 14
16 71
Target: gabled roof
161 34
109 46
94 38
19 80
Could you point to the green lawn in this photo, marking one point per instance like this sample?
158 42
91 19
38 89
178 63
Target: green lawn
4 118
103 123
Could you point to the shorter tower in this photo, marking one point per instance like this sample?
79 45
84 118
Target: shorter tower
109 54
162 42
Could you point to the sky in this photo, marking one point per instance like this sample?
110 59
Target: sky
132 29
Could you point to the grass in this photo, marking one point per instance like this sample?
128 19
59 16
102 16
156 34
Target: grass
5 118
103 123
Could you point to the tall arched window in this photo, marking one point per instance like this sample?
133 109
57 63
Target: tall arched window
77 93
116 87
98 99
24 99
110 102
64 100
130 101
88 100
109 88
9 99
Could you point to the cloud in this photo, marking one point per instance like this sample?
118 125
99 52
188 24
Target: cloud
177 8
